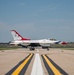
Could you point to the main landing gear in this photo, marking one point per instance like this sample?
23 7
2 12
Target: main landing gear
32 48
46 48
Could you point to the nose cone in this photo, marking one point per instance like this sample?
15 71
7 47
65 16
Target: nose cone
63 43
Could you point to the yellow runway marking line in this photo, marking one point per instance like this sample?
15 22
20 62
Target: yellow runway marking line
55 71
17 71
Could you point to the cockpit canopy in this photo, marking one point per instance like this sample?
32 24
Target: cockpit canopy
53 39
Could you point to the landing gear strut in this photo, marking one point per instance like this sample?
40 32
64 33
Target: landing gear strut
48 49
32 48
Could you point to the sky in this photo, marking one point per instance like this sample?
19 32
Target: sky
37 19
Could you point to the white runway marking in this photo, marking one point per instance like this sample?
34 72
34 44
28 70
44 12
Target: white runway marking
37 50
37 67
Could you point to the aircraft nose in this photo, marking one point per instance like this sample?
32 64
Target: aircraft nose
63 43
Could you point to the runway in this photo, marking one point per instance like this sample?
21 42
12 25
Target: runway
38 62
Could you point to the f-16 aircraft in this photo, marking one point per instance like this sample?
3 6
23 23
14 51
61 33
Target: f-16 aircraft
28 43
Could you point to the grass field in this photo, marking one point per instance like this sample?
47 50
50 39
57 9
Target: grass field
8 47
65 47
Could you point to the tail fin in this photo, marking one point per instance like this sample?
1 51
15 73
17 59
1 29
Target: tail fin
17 36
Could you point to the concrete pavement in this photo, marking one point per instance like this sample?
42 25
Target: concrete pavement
10 58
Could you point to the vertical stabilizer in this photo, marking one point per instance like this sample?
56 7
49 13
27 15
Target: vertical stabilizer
17 36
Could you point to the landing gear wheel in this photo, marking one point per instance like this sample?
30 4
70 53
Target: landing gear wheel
32 48
48 49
